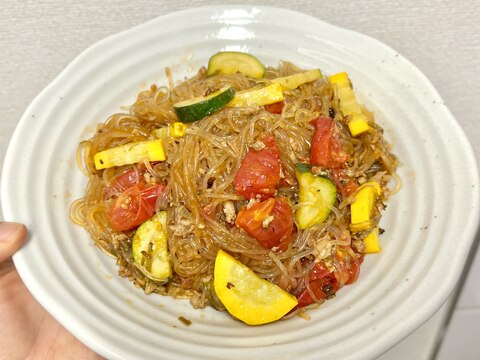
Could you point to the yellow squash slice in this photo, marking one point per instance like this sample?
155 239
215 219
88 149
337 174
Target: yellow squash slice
263 96
361 213
247 296
372 242
294 81
361 208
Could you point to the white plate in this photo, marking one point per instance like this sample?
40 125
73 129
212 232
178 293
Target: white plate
429 225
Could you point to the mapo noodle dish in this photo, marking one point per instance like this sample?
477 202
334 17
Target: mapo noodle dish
251 189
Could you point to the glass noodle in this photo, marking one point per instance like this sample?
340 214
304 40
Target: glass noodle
199 172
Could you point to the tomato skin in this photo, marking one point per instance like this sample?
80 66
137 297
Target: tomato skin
122 182
275 108
347 274
279 230
259 172
345 185
305 299
322 282
354 271
319 271
134 206
326 148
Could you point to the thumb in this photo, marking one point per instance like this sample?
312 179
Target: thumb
12 237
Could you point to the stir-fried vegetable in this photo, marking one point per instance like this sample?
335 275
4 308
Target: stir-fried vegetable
262 96
149 248
134 206
372 241
245 295
361 214
197 108
176 130
270 222
324 282
357 122
294 81
361 209
259 171
231 62
326 148
151 150
275 108
316 197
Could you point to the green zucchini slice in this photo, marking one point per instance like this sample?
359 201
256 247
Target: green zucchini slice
197 108
231 62
316 197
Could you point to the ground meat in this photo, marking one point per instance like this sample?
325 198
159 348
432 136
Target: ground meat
229 211
182 228
258 145
266 222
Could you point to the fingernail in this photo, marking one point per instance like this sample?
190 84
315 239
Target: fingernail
8 230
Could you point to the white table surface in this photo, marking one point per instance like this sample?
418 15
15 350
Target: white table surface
442 38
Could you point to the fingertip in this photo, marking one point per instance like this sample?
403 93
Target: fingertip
12 237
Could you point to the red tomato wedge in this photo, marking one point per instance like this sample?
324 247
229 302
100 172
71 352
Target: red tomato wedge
326 149
259 172
134 206
275 108
270 222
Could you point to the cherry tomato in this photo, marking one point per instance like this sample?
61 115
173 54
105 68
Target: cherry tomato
134 206
345 185
122 182
354 271
347 266
270 222
275 108
259 172
326 148
319 271
322 283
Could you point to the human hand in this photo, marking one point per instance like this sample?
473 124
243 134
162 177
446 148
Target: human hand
27 330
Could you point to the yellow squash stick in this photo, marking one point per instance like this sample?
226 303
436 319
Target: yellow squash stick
263 96
176 130
151 150
294 81
357 122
